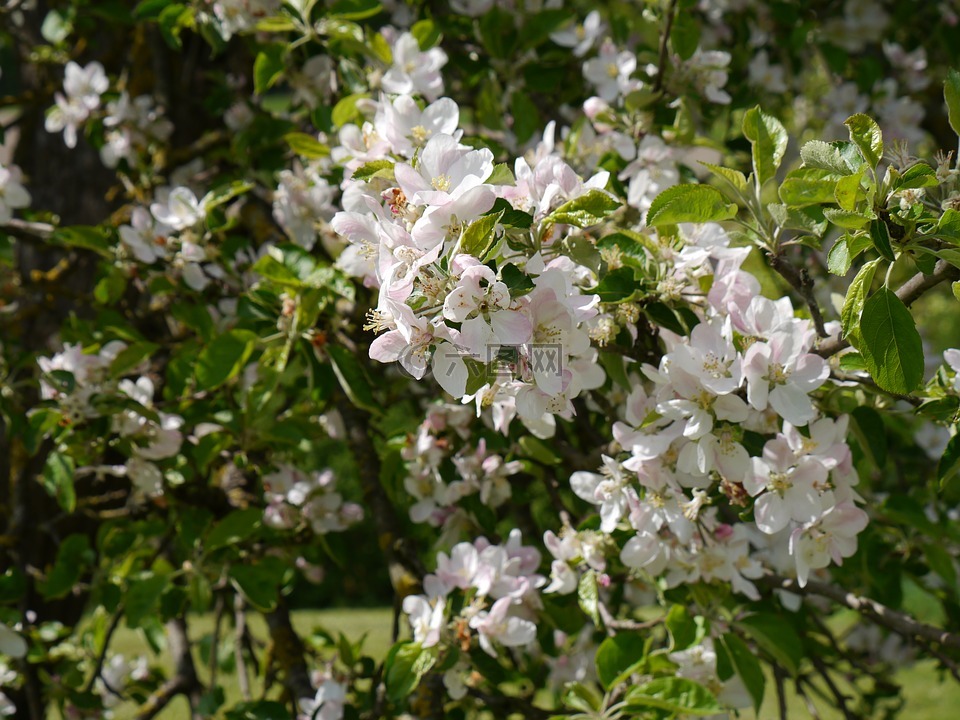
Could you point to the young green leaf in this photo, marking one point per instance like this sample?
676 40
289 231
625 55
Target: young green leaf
689 203
769 140
866 135
856 297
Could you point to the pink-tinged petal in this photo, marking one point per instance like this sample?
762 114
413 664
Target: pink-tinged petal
792 404
473 203
811 372
640 550
770 513
449 369
952 358
756 481
388 347
519 632
511 328
803 503
462 301
409 180
584 485
479 338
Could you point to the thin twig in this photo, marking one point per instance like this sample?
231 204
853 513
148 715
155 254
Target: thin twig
781 692
664 40
898 622
801 281
840 698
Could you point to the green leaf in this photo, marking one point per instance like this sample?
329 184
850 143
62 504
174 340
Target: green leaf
517 281
916 176
736 179
268 67
673 694
826 156
426 33
689 203
260 583
685 35
345 111
58 480
355 9
951 95
406 664
776 637
149 9
856 297
846 219
809 186
584 211
890 343
172 21
73 555
848 191
866 135
682 628
502 175
306 145
86 237
616 655
142 598
880 236
480 236
233 529
224 358
352 379
769 140
588 595
839 258
948 227
225 193
375 169
131 356
746 665
275 271
617 286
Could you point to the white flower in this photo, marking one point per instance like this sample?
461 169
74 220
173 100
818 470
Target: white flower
327 704
610 72
425 619
180 210
497 626
610 490
414 71
580 36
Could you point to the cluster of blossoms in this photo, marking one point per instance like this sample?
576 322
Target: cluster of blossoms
511 337
498 588
131 125
442 439
745 372
81 382
294 497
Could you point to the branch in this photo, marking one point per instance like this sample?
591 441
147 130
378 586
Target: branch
893 620
908 293
25 230
801 281
184 681
664 39
288 650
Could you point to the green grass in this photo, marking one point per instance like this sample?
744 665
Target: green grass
927 695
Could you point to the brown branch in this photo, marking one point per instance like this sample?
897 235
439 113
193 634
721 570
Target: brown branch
908 293
664 40
801 281
893 620
25 230
289 652
184 680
